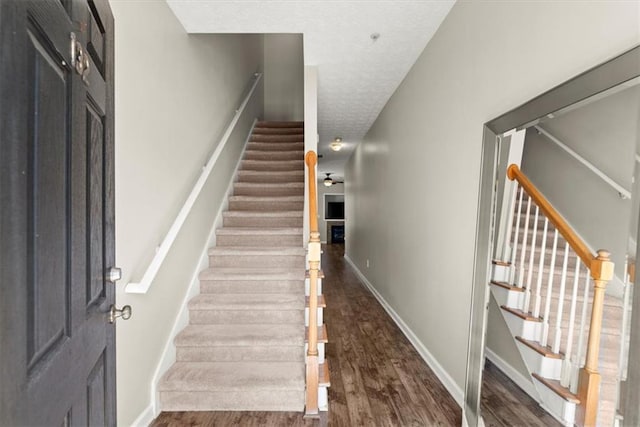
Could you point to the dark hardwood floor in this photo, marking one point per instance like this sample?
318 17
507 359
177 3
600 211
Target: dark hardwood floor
377 377
504 404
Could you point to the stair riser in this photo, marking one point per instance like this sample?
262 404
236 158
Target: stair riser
257 240
249 261
511 299
278 131
526 329
245 317
249 400
281 146
267 190
280 124
543 366
241 353
277 138
265 205
250 286
555 404
273 155
286 165
262 222
271 177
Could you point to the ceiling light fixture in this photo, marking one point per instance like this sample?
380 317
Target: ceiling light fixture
336 145
328 182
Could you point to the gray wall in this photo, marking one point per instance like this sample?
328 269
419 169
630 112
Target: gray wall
284 77
412 184
604 133
175 94
498 342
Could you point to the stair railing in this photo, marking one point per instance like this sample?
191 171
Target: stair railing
313 256
538 297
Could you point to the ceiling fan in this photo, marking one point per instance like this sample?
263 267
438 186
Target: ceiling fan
328 181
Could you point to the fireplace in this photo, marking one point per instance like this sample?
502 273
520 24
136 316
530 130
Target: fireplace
337 233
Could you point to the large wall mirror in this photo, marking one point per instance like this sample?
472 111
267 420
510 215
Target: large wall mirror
555 327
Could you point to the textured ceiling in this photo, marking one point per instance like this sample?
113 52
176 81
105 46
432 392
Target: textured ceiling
357 75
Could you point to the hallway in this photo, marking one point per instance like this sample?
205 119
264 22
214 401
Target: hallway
377 377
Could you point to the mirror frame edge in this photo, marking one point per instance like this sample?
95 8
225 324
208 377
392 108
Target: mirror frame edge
616 71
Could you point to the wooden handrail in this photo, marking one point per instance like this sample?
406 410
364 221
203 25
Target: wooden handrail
601 269
312 360
515 174
311 159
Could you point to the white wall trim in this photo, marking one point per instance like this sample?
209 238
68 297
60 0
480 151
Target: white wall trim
441 373
168 356
145 418
521 381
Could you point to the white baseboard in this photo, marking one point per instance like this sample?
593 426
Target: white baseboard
145 418
441 373
168 357
521 381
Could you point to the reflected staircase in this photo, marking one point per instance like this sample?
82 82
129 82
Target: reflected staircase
551 292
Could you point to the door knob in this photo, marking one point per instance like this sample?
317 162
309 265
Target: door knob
114 313
114 274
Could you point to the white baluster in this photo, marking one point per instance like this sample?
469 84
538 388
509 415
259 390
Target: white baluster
543 253
514 249
557 335
623 361
527 292
547 306
580 353
525 237
565 379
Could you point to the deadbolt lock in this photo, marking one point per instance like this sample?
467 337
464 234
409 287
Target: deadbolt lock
80 58
114 274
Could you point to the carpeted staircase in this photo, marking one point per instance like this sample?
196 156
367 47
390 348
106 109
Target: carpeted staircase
243 349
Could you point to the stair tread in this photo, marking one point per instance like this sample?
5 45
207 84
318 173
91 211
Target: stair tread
254 302
322 334
231 376
263 214
506 285
269 184
539 348
321 301
521 314
234 273
254 231
278 131
227 335
279 152
265 198
500 262
257 250
557 388
323 374
320 274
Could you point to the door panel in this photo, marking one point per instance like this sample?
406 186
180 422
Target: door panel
47 203
57 350
95 209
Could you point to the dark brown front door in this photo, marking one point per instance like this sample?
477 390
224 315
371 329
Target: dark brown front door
57 352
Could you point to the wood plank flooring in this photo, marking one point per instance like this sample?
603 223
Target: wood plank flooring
377 377
504 404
